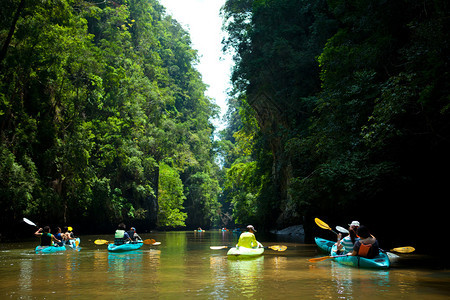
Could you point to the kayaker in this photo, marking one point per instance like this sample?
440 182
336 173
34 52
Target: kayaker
347 243
133 235
60 236
367 246
46 236
248 239
121 235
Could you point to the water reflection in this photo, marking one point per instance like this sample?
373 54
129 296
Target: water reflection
184 266
246 274
26 275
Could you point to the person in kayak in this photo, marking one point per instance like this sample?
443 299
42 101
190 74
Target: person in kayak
248 239
121 235
60 236
46 236
367 246
133 235
347 243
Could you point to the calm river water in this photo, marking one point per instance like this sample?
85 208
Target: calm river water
183 266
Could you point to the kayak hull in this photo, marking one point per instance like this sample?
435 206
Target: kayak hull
381 261
124 247
324 245
49 249
73 244
245 252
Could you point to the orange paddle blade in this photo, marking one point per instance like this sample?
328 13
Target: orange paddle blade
149 241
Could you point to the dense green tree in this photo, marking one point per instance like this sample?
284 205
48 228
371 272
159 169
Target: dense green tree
352 103
96 101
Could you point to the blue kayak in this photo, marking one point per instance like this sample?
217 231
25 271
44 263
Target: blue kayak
72 244
125 247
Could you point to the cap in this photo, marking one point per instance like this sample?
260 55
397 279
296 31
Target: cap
132 228
251 227
354 223
70 228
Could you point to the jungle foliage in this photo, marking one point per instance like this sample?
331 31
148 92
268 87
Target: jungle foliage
103 117
351 100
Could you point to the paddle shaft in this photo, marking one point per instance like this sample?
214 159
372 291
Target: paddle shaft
324 258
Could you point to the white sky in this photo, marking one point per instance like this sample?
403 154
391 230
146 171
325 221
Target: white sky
201 18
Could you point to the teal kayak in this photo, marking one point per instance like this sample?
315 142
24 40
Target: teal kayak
125 247
245 252
49 249
381 261
72 244
324 245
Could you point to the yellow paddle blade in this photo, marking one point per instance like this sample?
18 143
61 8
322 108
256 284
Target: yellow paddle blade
149 241
101 242
322 224
407 249
77 242
278 247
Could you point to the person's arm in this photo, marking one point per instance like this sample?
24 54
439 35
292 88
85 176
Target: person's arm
355 249
55 239
38 232
338 244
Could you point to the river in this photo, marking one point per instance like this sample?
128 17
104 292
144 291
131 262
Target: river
184 266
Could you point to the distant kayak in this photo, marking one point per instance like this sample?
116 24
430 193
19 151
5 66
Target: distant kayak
199 230
245 252
125 247
72 244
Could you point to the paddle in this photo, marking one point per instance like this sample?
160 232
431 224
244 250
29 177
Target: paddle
317 259
342 229
274 247
406 249
102 242
29 222
323 225
151 242
147 242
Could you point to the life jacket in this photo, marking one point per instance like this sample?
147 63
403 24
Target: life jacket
247 240
364 250
118 237
368 250
46 239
